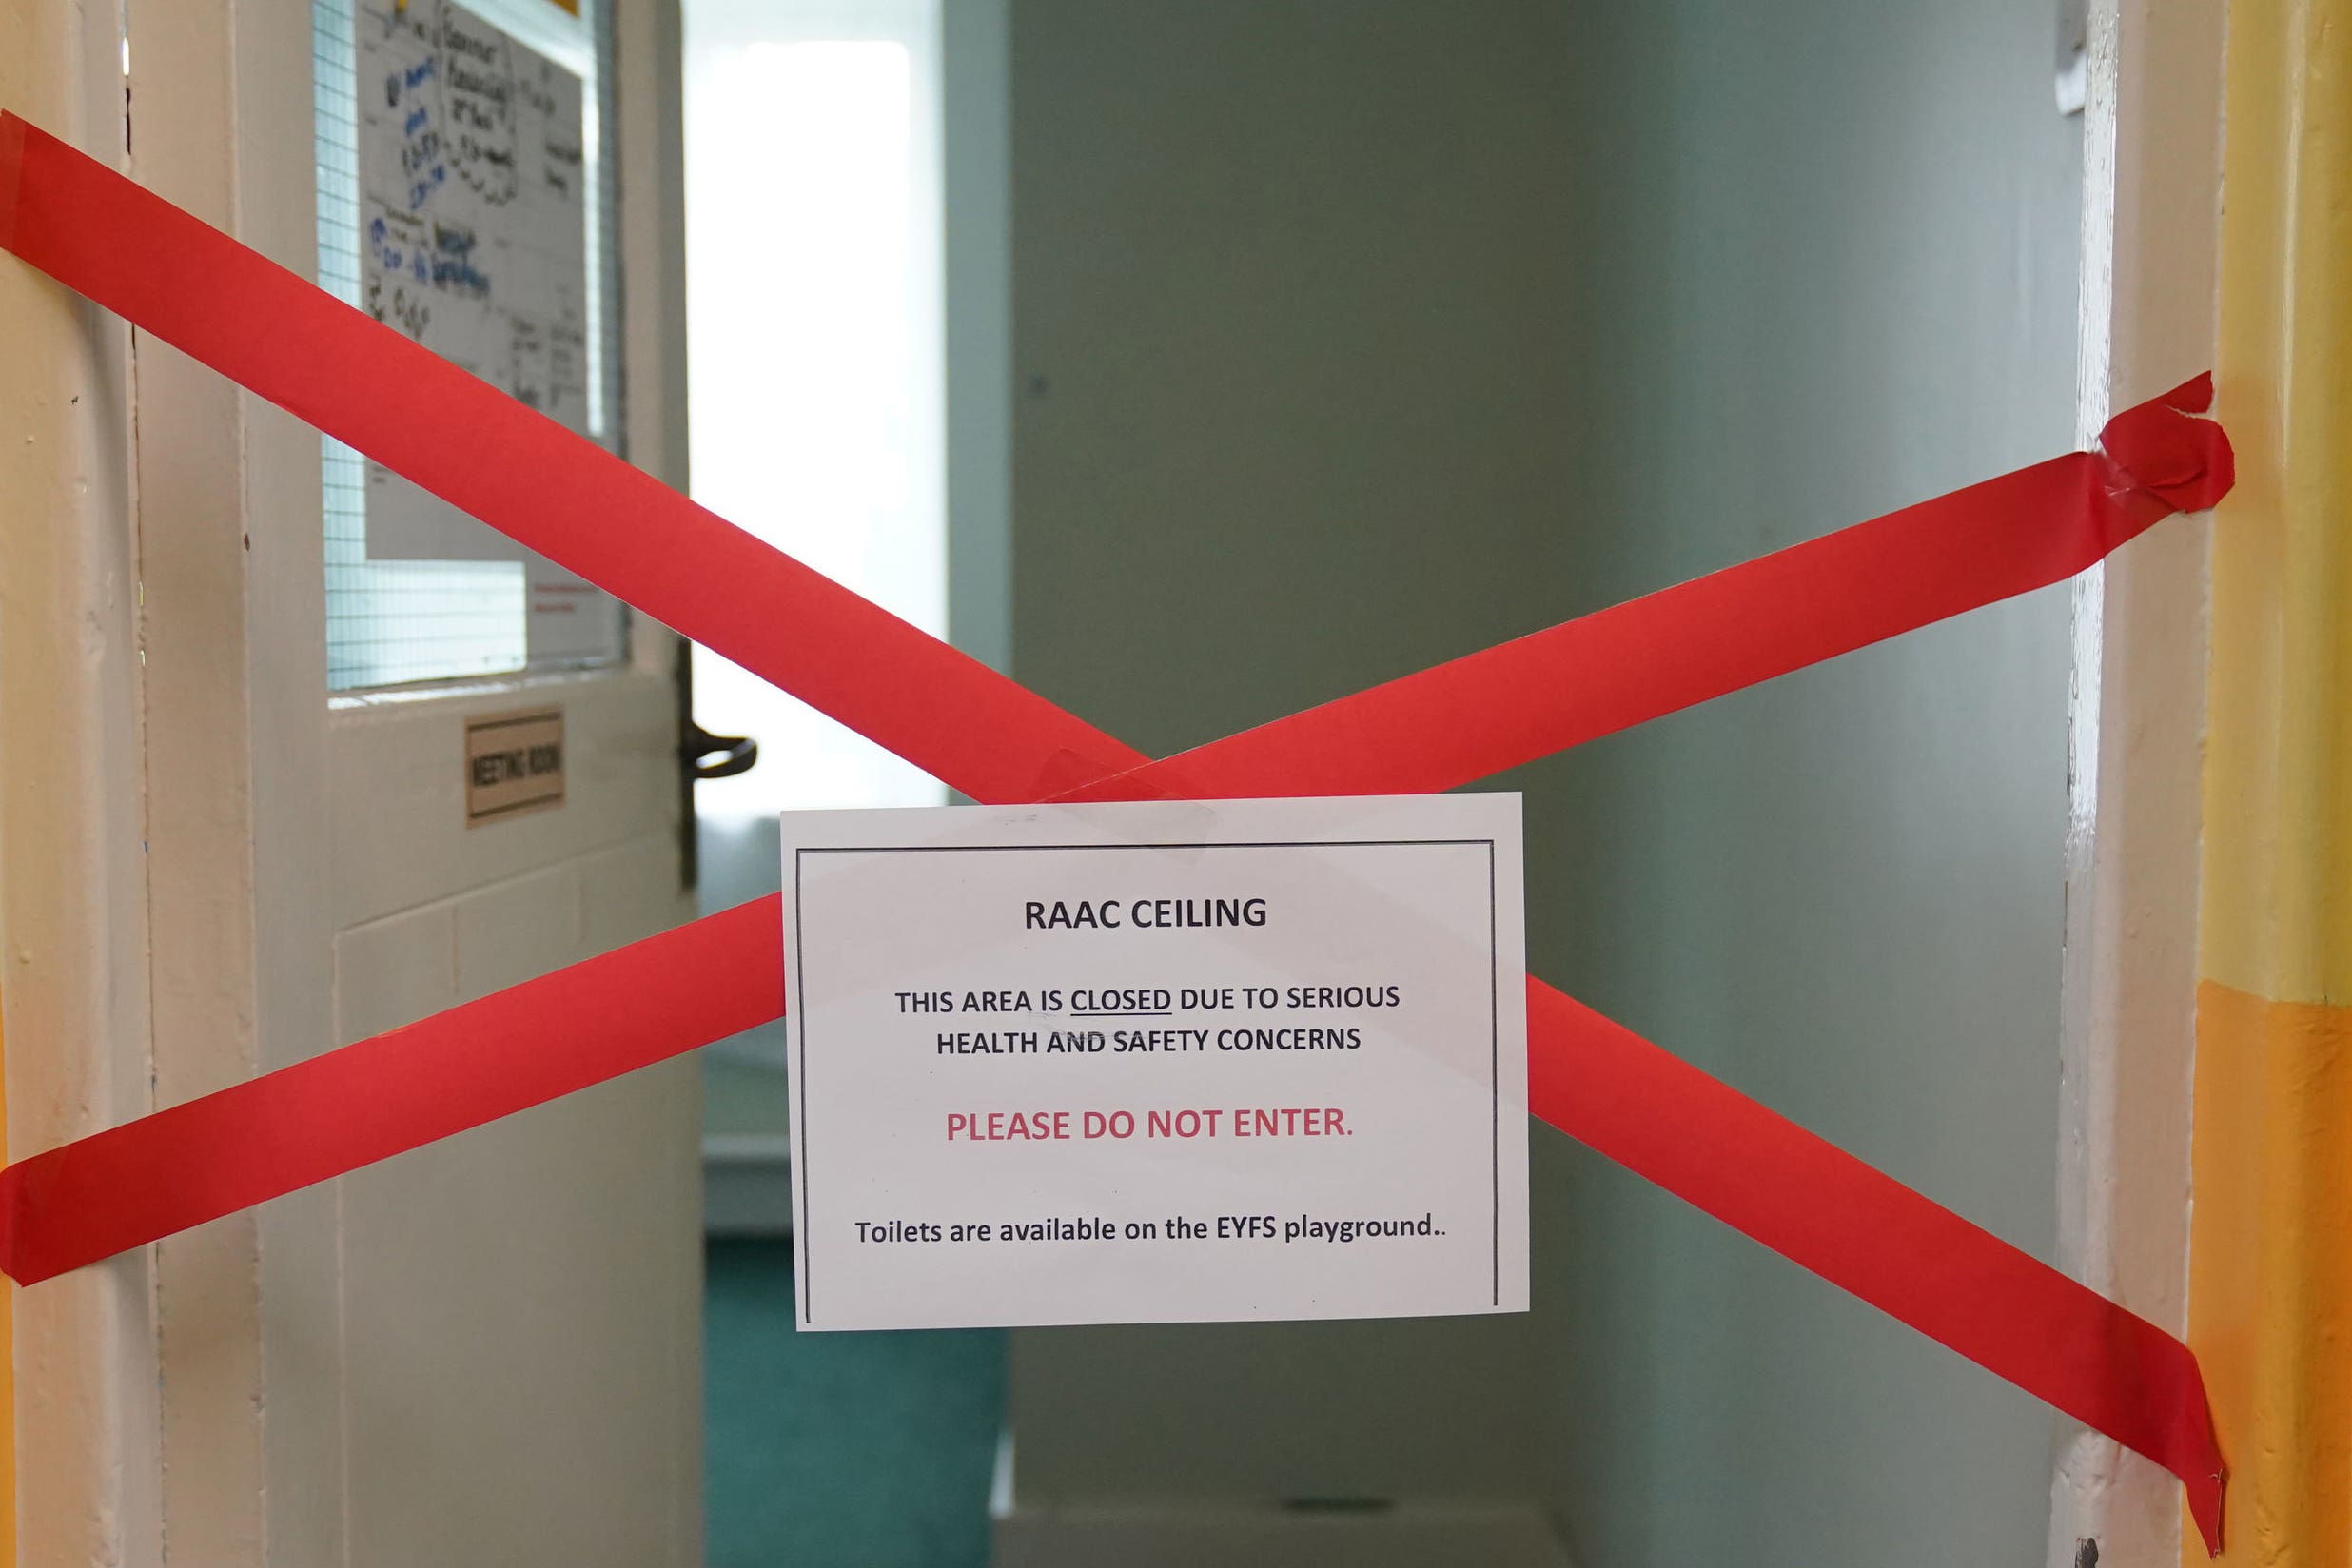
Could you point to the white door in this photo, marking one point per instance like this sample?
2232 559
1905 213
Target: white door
486 1351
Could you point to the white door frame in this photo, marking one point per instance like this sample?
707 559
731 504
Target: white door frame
73 810
2150 231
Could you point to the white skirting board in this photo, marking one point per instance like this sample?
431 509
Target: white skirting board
747 1183
1498 1534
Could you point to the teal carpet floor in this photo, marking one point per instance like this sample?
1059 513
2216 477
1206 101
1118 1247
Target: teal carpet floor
840 1450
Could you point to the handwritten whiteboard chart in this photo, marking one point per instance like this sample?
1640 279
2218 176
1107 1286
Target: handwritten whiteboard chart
474 162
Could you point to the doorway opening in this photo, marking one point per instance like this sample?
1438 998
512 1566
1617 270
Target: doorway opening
815 280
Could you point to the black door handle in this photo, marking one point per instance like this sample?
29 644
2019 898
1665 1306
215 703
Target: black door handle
736 754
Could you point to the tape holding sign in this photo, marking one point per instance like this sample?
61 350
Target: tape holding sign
557 491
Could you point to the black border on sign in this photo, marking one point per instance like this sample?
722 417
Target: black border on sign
1494 995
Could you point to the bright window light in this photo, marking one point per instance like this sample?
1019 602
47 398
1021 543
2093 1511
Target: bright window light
814 295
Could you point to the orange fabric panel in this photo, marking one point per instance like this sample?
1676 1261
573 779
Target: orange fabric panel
2270 1295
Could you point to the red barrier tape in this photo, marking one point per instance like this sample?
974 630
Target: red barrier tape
196 288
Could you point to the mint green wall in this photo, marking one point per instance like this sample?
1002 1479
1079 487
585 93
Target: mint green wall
1350 334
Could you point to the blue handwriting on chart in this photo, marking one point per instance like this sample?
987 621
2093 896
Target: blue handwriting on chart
453 261
447 262
391 255
423 161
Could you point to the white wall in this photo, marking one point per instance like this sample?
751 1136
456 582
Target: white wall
1826 266
1350 334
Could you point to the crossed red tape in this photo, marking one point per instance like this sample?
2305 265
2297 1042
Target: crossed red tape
277 335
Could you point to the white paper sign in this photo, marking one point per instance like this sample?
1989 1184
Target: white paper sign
1157 1062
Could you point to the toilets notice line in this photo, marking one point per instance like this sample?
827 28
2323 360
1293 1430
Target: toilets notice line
283 338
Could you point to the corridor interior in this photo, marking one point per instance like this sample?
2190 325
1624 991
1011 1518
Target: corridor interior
1346 337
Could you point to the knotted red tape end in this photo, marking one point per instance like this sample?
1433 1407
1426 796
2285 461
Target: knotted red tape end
2165 449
